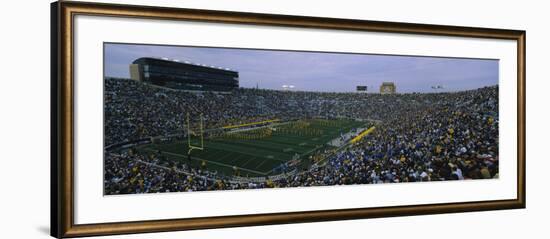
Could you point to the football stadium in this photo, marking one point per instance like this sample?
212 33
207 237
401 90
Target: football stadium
178 127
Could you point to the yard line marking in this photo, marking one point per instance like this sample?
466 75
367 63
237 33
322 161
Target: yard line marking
231 147
238 160
259 165
214 162
247 161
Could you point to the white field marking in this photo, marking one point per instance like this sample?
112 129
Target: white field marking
259 165
213 162
253 128
247 161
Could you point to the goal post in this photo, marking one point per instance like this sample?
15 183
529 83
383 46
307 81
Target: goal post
190 132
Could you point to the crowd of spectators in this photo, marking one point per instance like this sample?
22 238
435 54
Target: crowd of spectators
419 137
135 110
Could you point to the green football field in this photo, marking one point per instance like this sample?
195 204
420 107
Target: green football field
258 156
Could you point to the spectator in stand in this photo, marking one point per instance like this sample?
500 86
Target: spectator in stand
420 137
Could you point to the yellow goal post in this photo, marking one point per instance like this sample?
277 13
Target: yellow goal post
190 132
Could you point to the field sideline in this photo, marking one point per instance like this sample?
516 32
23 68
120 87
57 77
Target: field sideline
256 157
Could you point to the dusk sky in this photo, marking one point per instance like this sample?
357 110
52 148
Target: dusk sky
313 71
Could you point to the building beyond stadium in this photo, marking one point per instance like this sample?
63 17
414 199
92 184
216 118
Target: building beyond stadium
183 75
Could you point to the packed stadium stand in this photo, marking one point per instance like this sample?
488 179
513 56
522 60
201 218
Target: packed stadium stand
417 137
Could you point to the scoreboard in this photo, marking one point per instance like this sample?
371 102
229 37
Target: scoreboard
361 88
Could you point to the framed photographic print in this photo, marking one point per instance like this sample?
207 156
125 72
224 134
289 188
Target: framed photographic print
172 119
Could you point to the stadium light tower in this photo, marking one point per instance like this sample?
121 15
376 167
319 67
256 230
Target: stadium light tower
288 87
437 88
